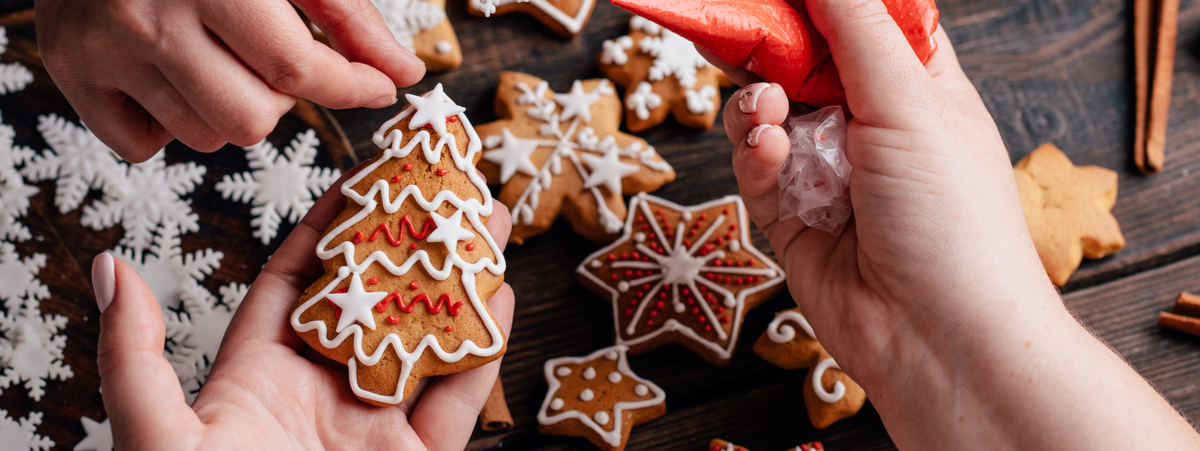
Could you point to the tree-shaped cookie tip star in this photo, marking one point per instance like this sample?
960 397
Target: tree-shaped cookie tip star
1069 210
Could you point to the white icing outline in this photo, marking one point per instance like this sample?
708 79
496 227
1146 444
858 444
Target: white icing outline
642 201
783 333
573 24
471 208
839 389
612 437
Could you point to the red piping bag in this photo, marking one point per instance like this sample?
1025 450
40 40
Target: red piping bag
776 40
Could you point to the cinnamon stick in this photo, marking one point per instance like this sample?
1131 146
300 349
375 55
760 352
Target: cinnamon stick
495 415
1160 89
1143 16
1184 315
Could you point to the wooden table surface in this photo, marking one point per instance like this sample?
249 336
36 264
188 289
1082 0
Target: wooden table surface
1048 70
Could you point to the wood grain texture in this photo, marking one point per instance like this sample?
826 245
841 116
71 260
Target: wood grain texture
1048 70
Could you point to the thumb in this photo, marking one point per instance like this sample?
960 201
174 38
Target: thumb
141 393
752 121
357 31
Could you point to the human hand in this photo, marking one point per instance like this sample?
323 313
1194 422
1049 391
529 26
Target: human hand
267 390
207 72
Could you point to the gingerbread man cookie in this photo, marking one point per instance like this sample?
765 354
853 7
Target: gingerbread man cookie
1068 209
561 153
682 274
599 398
829 394
409 263
422 27
720 445
565 17
662 73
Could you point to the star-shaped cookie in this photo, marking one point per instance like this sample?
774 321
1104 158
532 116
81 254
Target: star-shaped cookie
561 153
662 73
829 394
598 397
1068 209
720 445
421 27
565 17
682 274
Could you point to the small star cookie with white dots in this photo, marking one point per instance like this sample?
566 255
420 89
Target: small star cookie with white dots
598 397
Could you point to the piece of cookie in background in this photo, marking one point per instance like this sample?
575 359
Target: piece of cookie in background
409 262
720 445
662 73
560 153
1068 209
684 275
422 27
829 394
598 397
565 17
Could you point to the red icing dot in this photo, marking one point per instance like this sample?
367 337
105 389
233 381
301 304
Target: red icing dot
372 281
718 262
414 285
720 310
653 313
408 166
641 218
413 246
470 247
684 291
611 257
380 306
449 328
701 319
692 232
695 310
732 227
624 256
628 273
645 286
687 243
613 276
395 178
358 237
691 301
658 305
337 313
649 322
633 302
640 294
749 262
451 119
707 328
716 448
662 294
391 319
628 311
635 255
724 319
703 216
441 172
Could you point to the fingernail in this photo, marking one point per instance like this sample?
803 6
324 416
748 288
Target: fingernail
382 101
104 279
748 101
752 138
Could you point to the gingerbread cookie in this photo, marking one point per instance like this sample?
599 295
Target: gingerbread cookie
565 17
561 153
421 27
720 445
682 274
599 398
829 394
1068 209
662 73
409 263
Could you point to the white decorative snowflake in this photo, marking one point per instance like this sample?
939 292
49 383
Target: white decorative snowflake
22 435
18 277
31 349
673 55
406 18
280 184
76 158
13 77
142 196
171 275
197 332
99 436
14 193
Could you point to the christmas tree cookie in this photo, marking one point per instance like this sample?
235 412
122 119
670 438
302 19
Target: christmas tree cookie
682 274
409 263
561 153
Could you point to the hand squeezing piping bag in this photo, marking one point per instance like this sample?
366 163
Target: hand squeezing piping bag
776 40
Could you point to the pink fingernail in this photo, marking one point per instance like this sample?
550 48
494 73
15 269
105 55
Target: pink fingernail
748 101
382 101
752 138
104 280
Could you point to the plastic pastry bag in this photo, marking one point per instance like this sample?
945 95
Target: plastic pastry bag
814 183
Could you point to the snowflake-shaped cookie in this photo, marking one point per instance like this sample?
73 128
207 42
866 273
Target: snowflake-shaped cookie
682 274
76 159
22 435
197 332
662 73
421 26
142 196
18 277
13 77
598 397
32 349
171 275
565 17
99 436
279 185
561 153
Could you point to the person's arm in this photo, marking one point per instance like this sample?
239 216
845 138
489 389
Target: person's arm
934 299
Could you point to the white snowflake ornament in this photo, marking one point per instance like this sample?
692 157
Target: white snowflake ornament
22 435
18 277
197 333
171 274
32 349
140 197
13 77
14 193
99 436
280 185
76 158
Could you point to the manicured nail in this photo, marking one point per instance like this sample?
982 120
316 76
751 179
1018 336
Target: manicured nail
752 138
748 101
104 279
382 101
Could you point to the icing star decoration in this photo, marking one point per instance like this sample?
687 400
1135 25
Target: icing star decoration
449 231
1068 209
682 274
355 304
432 109
598 397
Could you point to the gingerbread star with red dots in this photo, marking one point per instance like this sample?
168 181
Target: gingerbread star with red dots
682 274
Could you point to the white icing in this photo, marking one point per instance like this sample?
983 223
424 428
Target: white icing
607 171
443 47
614 377
614 52
839 389
601 418
637 237
700 102
673 56
686 215
586 395
422 110
612 436
642 99
577 102
563 371
407 18
449 231
682 266
735 246
623 286
596 263
357 304
779 332
556 404
589 373
573 24
512 155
